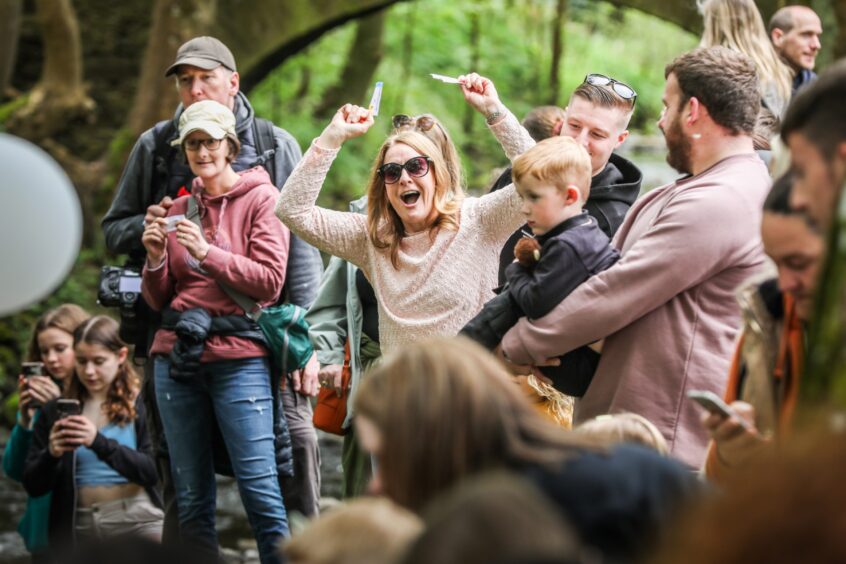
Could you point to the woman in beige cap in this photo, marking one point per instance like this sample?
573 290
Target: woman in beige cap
209 368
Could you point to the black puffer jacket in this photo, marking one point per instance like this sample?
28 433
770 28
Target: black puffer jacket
612 193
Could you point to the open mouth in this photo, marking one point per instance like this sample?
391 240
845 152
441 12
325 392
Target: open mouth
410 197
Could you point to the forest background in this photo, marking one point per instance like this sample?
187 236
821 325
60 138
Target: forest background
82 79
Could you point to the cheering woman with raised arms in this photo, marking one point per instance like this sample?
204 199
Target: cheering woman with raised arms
430 253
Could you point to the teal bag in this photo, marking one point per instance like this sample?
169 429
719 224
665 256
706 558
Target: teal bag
284 325
285 328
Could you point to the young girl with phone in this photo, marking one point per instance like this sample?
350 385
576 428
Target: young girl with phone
97 464
51 345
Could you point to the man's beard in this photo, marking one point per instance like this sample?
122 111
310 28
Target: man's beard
678 148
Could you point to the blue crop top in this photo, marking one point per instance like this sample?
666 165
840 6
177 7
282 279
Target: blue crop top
91 471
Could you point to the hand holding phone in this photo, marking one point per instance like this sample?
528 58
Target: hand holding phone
67 407
714 404
29 369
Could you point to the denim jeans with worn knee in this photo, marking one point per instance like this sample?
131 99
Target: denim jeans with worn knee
237 393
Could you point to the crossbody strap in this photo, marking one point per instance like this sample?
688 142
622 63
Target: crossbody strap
249 305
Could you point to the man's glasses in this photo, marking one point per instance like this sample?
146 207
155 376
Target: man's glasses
194 144
621 89
422 123
416 166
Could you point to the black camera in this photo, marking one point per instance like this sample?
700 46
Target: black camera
119 287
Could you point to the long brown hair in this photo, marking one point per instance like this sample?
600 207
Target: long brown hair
66 317
384 225
119 406
447 409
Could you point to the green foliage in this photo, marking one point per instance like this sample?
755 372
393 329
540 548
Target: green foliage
514 50
7 109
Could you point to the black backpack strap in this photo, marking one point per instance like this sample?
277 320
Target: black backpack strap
162 155
265 141
171 172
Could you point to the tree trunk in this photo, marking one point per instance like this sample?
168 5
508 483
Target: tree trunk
10 26
684 14
407 55
363 58
474 39
60 96
174 23
839 8
557 51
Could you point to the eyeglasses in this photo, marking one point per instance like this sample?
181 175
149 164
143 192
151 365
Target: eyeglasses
416 167
621 89
422 123
194 144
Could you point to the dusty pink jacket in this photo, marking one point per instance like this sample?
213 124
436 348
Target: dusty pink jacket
667 309
249 251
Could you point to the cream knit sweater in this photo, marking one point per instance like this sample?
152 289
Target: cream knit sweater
441 283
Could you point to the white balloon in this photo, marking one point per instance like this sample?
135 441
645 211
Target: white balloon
40 224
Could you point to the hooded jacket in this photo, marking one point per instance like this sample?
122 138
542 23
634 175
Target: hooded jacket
612 193
139 188
248 251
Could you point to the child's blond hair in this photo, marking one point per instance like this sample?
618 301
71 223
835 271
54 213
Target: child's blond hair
628 428
561 161
370 530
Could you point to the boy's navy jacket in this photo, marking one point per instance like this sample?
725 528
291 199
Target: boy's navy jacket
571 252
612 193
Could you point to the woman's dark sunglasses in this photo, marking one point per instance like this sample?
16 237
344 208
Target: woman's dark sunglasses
416 166
621 89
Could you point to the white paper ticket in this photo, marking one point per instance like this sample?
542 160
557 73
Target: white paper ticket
376 99
444 78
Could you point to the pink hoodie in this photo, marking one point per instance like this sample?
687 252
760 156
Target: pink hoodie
249 251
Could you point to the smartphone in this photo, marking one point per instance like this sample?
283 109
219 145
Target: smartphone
67 407
715 404
29 369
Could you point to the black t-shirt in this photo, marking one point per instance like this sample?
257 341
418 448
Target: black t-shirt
369 307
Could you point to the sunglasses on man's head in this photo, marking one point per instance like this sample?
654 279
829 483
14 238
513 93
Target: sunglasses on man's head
415 166
621 89
194 144
422 123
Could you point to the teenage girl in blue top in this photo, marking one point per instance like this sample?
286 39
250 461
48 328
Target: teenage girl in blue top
98 465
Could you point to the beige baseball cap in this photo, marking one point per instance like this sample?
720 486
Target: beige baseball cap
203 52
206 115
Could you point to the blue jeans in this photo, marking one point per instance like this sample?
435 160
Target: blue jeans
237 393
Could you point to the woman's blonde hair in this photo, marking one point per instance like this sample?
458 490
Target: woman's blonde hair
446 409
629 428
431 127
384 225
737 24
